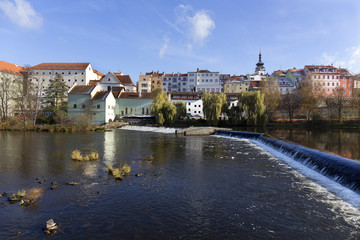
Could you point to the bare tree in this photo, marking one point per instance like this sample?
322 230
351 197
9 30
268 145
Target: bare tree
290 103
337 101
5 97
271 91
311 95
28 90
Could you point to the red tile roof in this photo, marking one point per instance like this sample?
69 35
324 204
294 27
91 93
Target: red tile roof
10 68
98 73
125 79
61 66
93 82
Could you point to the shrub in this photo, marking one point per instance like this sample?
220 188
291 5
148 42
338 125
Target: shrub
76 155
119 173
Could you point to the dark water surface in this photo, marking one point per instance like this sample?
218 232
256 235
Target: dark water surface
195 188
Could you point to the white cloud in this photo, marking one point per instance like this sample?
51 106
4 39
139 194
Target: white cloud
21 13
197 25
350 59
164 47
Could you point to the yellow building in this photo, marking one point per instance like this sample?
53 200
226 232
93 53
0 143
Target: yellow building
149 81
236 84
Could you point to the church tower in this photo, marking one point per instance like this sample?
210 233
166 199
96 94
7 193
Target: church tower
260 69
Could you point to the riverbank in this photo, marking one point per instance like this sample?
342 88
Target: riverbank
65 128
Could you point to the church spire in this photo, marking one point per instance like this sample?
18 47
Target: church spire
260 69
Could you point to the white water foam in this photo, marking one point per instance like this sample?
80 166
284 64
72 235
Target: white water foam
340 199
150 129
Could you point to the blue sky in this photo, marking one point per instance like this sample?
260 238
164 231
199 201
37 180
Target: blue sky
136 36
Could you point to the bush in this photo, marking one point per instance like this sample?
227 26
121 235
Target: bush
119 173
76 155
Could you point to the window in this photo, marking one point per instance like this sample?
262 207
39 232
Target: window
189 104
75 106
194 111
75 80
109 79
189 109
50 73
126 110
83 105
69 80
343 85
98 106
43 72
109 107
76 73
62 73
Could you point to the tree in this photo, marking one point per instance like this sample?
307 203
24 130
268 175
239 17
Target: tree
56 97
27 96
56 94
271 91
163 110
180 110
251 108
290 103
311 96
213 106
6 94
337 100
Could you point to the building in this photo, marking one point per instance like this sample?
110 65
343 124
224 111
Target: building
260 68
347 82
286 85
177 82
296 76
10 75
236 84
72 73
149 81
132 104
194 104
205 81
91 101
328 77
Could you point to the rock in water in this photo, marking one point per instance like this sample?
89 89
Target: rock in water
50 226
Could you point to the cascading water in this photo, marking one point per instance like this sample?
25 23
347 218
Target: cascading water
342 170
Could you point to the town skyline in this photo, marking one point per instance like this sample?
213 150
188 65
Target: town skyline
181 36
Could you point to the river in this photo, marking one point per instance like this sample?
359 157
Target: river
200 187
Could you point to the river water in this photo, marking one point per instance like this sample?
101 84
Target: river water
200 187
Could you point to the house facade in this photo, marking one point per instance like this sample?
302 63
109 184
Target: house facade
72 73
177 82
194 104
10 75
205 81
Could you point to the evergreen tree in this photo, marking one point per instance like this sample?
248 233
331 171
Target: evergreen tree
56 94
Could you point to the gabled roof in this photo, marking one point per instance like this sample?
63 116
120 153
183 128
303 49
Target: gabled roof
280 72
61 66
125 79
79 89
101 95
10 68
134 95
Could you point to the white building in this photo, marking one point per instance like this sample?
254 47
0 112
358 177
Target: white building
72 73
205 81
194 104
177 82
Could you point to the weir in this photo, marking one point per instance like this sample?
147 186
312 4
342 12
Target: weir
342 170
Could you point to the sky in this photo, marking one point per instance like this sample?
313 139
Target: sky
134 36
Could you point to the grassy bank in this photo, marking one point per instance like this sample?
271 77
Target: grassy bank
64 128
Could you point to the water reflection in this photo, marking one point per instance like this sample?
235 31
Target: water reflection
341 142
